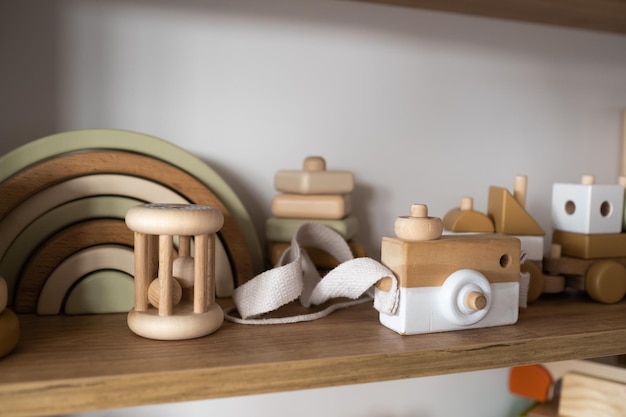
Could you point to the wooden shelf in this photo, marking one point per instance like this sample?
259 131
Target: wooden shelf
599 15
95 362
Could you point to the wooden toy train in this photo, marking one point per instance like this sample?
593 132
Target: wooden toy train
588 251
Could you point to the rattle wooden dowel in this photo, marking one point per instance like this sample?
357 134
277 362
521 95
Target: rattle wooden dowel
184 246
153 251
142 279
200 274
166 251
211 275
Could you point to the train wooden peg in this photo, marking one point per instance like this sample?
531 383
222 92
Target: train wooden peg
450 282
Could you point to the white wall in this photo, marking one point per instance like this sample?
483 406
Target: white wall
422 106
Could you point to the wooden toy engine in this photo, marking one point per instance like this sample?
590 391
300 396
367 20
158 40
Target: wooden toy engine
450 282
589 246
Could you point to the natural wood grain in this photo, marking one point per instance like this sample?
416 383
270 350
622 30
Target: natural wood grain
587 396
600 15
97 362
59 247
63 167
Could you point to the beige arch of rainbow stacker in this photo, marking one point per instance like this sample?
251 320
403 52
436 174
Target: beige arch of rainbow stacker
61 205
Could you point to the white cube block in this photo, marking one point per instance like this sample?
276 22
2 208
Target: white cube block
587 208
532 246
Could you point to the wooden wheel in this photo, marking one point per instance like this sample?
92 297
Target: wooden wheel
537 281
605 281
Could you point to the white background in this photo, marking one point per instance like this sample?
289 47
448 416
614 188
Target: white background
422 107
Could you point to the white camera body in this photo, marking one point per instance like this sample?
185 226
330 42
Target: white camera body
455 282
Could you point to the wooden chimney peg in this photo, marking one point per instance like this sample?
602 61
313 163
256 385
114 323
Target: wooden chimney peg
418 226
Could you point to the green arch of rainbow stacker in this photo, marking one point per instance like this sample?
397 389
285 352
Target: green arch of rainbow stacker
150 146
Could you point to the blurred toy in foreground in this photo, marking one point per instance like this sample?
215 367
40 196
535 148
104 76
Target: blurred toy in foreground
450 282
576 388
9 323
589 246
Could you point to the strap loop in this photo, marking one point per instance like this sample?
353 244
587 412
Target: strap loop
295 276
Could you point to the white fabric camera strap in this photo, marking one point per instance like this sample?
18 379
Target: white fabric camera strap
295 276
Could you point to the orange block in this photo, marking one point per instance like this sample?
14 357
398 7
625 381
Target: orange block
532 381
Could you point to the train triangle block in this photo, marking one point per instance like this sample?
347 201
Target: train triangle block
508 216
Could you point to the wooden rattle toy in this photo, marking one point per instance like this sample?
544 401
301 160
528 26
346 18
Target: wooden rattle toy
167 306
9 323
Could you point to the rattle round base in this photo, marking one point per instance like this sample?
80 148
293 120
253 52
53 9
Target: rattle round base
183 324
9 331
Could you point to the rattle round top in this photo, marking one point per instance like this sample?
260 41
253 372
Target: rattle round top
174 219
418 226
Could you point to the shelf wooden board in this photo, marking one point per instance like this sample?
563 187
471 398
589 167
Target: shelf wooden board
70 364
599 15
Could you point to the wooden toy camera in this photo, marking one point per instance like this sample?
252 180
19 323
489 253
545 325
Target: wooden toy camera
450 282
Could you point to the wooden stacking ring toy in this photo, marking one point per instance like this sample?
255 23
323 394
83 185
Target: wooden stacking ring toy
154 227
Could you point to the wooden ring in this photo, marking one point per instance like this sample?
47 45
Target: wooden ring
243 250
174 219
